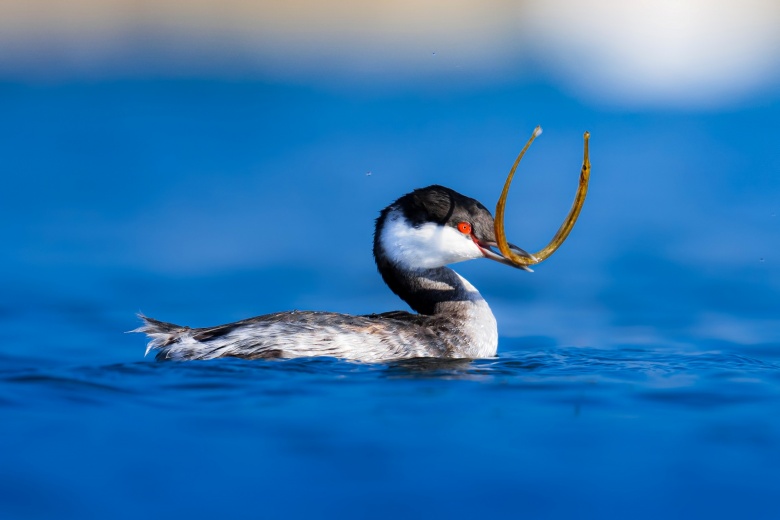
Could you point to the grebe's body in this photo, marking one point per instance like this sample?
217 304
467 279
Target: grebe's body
415 238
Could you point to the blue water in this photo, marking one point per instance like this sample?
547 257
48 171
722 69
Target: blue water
638 373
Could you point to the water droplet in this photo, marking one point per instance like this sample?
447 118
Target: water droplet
773 214
761 260
368 173
433 54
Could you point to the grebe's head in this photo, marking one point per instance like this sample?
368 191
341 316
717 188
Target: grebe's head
435 226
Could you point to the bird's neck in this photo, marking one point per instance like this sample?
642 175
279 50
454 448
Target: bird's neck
442 292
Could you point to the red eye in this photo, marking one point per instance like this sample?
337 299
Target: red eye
464 227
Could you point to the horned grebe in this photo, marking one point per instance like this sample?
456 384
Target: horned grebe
415 238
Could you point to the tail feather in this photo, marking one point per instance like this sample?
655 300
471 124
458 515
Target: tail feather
161 333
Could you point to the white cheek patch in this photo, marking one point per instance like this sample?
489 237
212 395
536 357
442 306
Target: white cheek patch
425 247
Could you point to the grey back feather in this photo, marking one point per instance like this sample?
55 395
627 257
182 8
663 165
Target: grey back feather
371 338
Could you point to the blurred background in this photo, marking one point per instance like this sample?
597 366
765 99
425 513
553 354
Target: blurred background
209 161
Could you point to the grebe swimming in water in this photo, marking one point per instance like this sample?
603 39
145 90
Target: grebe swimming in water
415 238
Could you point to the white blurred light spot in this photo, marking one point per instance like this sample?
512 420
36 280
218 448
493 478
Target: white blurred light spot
662 52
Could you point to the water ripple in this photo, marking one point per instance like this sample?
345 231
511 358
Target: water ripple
694 379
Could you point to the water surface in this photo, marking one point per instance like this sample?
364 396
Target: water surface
637 374
543 432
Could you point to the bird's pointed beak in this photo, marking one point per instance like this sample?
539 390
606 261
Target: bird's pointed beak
488 249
